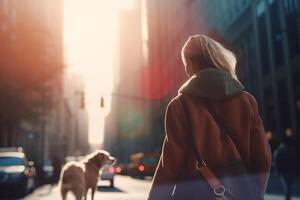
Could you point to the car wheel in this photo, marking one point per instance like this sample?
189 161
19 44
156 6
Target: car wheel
112 183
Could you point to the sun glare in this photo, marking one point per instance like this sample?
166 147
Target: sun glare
126 4
90 28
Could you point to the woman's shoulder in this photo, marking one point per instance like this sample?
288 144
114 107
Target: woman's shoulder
174 102
250 98
245 95
244 98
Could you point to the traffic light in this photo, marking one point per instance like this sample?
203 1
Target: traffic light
102 102
82 100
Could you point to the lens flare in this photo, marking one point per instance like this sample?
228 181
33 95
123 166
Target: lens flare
155 83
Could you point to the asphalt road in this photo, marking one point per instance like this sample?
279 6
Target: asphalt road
127 188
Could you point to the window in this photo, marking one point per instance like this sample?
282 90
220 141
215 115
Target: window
11 161
5 7
260 8
271 1
263 40
276 34
13 16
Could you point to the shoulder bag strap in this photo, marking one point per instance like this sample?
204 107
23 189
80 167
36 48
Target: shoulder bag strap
215 115
201 166
223 129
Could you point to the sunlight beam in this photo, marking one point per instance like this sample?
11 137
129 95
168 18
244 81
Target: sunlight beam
90 28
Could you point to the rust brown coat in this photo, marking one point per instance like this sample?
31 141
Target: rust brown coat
239 112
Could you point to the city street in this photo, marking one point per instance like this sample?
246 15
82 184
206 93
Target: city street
111 90
126 188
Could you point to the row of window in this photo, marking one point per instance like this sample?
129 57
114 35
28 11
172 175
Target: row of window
277 42
4 6
291 6
223 12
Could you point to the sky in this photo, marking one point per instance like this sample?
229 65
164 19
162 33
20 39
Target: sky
90 32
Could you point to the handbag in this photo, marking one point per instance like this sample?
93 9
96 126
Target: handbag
229 181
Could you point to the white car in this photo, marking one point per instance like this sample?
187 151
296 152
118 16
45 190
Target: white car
107 174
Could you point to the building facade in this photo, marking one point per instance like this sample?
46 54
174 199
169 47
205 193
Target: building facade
165 39
126 126
75 129
266 35
31 32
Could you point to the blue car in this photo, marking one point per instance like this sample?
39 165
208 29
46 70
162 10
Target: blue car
16 173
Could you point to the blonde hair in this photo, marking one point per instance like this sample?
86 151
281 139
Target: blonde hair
202 50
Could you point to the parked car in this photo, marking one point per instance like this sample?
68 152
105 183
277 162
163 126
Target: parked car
108 174
143 164
17 174
119 169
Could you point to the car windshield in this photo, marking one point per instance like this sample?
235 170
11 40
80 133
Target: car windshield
10 161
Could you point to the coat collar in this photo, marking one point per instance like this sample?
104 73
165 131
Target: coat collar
214 84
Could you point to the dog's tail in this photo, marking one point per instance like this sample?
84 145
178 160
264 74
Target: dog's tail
66 179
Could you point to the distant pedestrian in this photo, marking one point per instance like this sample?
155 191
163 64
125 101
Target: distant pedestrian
215 145
287 164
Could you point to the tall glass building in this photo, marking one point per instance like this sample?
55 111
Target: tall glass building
265 35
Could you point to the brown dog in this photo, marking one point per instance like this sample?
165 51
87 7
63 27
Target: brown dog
79 177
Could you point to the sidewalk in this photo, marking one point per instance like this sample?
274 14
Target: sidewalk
275 190
278 197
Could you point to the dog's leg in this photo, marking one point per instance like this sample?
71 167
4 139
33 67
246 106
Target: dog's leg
63 193
93 192
85 193
79 195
